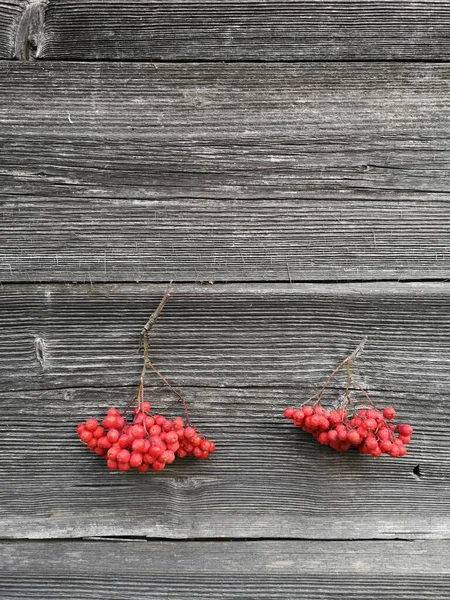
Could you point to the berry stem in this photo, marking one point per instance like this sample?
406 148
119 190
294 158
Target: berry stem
343 362
145 334
183 402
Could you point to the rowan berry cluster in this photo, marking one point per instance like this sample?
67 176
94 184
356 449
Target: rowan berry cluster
366 429
151 441
355 423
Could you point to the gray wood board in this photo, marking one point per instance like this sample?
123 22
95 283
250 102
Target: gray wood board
235 30
63 335
225 570
89 240
224 172
267 478
235 131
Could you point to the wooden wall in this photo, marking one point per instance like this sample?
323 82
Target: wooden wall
287 165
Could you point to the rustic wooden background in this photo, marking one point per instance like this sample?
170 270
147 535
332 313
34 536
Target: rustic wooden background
287 164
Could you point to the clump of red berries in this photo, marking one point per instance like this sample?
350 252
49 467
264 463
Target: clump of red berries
150 441
366 429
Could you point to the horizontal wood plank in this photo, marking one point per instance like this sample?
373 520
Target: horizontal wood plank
91 240
267 479
346 131
238 30
225 570
218 335
224 172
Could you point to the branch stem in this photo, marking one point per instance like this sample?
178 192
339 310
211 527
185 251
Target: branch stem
346 361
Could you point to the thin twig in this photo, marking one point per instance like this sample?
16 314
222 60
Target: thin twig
151 366
346 360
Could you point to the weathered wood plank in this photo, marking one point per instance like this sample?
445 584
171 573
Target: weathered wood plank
341 131
121 240
240 30
10 14
226 334
225 570
267 478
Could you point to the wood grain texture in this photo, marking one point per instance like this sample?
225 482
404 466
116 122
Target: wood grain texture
226 570
244 30
10 15
58 336
91 240
224 172
341 131
267 479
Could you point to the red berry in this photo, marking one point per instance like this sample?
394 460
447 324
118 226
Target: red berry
80 428
307 411
143 467
369 424
167 457
342 435
124 441
136 459
189 433
353 437
386 446
149 422
91 424
138 445
389 413
156 451
158 466
395 450
371 442
332 435
160 420
181 452
205 445
103 442
404 429
155 430
171 438
120 422
123 456
92 444
289 412
113 451
323 438
112 464
86 436
125 466
178 423
109 421
384 434
137 431
98 432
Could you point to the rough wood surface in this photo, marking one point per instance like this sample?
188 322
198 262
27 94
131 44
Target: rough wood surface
226 334
237 30
263 570
342 131
228 173
266 480
89 240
